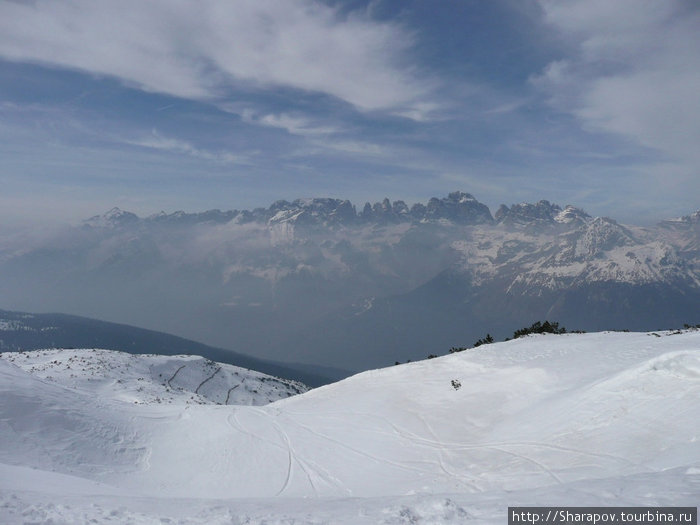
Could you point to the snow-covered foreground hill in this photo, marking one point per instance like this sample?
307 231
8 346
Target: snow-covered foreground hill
585 419
153 379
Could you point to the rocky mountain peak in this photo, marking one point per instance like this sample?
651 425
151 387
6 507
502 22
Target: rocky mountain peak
571 214
543 212
603 234
386 212
316 211
686 220
112 219
460 208
540 214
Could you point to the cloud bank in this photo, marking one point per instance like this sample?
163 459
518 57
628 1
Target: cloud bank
634 70
200 49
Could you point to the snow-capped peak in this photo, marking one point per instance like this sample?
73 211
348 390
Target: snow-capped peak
571 214
115 217
693 218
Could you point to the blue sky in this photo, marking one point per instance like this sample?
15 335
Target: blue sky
174 104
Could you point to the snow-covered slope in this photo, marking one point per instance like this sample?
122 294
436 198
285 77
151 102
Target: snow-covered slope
579 419
596 251
183 379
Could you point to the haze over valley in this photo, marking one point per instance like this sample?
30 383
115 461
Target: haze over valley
318 281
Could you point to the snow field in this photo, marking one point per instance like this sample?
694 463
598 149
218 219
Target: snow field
576 419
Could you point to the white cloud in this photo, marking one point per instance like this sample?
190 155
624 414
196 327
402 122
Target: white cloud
199 49
292 123
635 71
321 136
421 112
156 141
357 147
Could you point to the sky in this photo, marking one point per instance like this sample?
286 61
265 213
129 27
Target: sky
183 105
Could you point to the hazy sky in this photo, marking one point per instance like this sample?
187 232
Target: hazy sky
175 104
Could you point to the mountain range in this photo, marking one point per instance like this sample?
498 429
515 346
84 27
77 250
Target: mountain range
322 281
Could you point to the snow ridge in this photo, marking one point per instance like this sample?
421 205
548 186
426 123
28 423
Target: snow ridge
148 379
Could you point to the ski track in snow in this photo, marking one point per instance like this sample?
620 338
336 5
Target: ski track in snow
592 419
285 445
292 460
357 451
442 446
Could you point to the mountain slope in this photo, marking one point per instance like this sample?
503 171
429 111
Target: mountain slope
593 419
152 379
25 331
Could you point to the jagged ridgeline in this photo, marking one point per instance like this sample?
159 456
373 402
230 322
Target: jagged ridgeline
327 282
459 207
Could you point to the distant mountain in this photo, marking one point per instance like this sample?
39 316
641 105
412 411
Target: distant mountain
458 207
21 331
541 214
320 280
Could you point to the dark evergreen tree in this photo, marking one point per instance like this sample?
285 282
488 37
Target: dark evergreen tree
538 327
486 340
